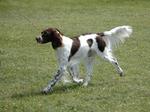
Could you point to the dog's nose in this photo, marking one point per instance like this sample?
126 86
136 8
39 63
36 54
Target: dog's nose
37 39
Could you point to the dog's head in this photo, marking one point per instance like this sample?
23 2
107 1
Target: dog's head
50 35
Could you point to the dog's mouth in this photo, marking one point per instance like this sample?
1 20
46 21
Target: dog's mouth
39 40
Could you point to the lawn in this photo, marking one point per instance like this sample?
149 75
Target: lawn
26 67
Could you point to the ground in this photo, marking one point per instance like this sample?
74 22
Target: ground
26 67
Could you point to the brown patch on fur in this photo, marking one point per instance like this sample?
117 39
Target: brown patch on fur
75 47
90 42
100 34
57 39
57 43
100 42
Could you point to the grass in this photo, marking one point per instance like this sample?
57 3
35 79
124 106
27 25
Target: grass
25 67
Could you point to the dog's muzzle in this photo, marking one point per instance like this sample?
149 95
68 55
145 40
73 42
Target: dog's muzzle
39 39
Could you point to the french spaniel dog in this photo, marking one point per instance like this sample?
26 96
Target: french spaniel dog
70 51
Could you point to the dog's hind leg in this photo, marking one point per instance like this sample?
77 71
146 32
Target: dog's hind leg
115 64
89 67
107 55
74 72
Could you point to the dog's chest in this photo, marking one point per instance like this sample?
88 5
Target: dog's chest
64 52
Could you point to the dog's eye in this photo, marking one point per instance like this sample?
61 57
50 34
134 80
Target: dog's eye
42 33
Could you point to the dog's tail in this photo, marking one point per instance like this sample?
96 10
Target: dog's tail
118 35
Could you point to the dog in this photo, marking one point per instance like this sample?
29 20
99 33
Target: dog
70 51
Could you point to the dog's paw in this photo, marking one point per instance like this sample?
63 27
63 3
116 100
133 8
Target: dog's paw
78 80
47 90
85 84
121 74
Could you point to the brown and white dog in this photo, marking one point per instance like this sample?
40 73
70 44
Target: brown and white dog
70 52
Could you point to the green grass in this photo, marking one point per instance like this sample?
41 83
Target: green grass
26 67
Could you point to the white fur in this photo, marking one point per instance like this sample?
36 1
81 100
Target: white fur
118 35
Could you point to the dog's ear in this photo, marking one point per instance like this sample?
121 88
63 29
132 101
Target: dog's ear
57 39
59 31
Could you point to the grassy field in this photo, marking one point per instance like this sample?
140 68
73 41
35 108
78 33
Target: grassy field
26 67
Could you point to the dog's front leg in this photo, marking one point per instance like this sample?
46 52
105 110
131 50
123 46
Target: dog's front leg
55 79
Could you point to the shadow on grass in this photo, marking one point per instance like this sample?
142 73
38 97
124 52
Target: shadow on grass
57 90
